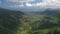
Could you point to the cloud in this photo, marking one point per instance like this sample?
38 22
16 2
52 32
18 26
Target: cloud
20 0
46 4
35 5
28 4
43 4
16 6
51 3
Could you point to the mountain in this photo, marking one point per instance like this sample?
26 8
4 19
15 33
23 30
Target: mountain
6 11
9 21
47 12
50 11
17 22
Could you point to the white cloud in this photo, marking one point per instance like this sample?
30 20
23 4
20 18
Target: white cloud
36 5
47 4
44 3
27 4
51 3
20 0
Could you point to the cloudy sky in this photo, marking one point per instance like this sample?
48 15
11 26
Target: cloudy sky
29 4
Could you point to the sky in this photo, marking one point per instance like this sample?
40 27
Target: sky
33 5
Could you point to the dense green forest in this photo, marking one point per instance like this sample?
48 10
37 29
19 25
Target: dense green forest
17 22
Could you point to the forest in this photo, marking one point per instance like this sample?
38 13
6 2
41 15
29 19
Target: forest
18 22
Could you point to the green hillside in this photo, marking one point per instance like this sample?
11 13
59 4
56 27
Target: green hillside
9 21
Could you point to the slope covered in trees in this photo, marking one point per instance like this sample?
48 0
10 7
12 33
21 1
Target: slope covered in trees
50 23
9 21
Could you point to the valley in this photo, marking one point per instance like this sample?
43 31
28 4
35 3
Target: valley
17 22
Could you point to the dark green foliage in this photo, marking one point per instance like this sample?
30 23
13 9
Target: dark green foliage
9 21
50 21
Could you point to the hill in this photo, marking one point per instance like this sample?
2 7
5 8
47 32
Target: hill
9 21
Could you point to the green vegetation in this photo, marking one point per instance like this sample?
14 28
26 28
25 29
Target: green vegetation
15 22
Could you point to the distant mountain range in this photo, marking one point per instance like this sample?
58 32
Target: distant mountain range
47 11
6 11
